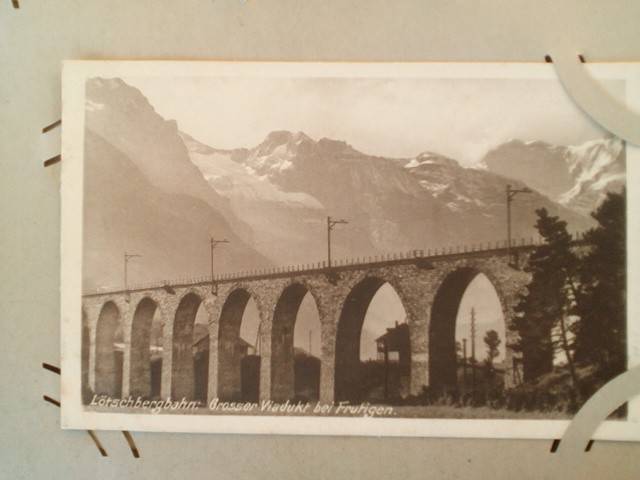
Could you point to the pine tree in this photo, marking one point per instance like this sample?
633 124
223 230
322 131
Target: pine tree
549 300
601 333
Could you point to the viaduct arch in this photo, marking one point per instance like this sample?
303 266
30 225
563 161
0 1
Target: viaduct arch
140 356
444 311
229 352
283 362
108 360
348 336
429 287
182 368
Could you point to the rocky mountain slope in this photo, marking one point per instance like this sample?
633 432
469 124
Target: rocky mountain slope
122 115
143 195
391 204
575 176
279 220
271 200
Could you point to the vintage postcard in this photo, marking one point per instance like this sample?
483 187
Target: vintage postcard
344 248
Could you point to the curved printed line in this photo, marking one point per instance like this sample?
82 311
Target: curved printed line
613 394
589 95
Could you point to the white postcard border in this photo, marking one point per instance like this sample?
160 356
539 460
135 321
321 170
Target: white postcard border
73 413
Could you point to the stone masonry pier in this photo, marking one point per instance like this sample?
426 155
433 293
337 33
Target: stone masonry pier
429 284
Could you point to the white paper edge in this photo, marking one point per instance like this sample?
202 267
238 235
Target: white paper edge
73 415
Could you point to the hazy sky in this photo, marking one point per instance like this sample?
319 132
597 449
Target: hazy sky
389 117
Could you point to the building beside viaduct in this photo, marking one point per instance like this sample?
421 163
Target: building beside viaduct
430 286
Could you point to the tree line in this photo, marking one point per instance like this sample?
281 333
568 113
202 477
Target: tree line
575 304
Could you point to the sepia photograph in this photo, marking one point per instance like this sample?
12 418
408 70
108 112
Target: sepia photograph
378 243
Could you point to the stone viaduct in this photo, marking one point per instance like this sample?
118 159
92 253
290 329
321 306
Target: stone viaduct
429 284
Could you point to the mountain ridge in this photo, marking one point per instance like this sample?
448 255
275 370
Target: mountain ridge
144 195
578 176
275 197
392 204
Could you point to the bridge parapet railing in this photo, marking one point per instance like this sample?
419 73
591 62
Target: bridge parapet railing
340 262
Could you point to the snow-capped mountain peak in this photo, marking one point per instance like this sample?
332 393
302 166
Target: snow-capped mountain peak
430 159
576 176
596 167
236 181
278 139
275 152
